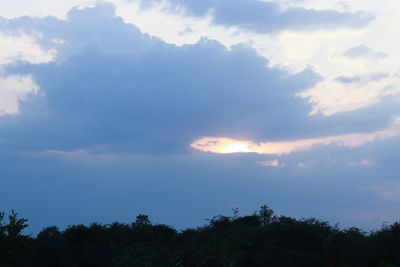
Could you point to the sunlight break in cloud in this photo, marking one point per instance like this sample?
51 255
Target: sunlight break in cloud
24 48
347 93
223 145
15 88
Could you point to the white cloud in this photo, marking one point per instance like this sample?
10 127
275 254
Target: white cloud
24 48
174 27
13 90
40 8
333 95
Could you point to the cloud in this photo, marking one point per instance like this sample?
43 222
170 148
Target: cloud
23 47
364 162
118 89
97 26
350 93
14 90
113 86
304 166
156 97
270 163
227 145
388 191
364 52
345 79
40 8
269 17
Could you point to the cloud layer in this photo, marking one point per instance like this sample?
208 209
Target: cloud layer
116 87
267 17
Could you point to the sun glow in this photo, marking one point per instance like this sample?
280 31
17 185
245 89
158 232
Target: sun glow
223 145
236 148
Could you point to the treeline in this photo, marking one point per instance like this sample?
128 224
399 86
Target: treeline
262 239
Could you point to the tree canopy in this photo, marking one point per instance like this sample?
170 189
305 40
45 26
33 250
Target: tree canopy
260 239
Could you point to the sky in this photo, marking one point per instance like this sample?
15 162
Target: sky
185 109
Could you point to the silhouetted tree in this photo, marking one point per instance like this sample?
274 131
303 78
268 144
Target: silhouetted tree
261 239
141 221
14 246
266 215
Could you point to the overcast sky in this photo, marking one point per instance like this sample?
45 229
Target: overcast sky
185 109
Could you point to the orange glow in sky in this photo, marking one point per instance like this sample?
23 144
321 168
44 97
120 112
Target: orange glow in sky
223 145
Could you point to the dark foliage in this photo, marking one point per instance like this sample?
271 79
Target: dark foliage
262 239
